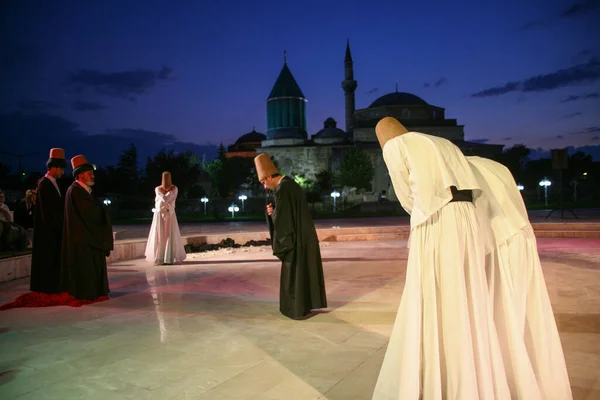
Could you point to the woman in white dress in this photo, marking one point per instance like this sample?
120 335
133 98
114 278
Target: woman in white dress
165 245
443 344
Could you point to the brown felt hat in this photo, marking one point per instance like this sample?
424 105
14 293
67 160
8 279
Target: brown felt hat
264 166
80 164
56 158
388 128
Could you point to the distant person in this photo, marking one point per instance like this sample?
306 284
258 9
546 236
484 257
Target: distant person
521 305
4 210
48 227
294 242
165 245
24 210
87 237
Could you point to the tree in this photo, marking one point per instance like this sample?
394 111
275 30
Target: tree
184 169
516 159
125 177
356 169
324 184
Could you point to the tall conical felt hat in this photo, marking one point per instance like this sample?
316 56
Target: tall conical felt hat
80 164
387 129
264 166
56 158
166 180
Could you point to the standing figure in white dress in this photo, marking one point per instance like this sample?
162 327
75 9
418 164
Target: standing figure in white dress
165 245
521 305
443 344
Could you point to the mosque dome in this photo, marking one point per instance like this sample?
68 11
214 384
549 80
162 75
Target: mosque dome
330 133
398 99
251 137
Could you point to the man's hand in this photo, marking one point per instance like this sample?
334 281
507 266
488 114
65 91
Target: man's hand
270 209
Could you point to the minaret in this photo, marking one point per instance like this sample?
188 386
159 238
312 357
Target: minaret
349 85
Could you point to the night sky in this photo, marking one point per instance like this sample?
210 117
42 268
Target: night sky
184 74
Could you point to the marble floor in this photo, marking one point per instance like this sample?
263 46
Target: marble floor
210 328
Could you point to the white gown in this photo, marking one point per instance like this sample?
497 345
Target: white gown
165 245
443 344
522 310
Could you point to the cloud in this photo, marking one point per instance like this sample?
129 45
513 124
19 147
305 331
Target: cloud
580 8
479 140
572 115
591 129
581 97
37 105
87 106
507 138
575 10
588 72
26 133
126 85
595 138
374 90
592 150
438 83
560 137
581 56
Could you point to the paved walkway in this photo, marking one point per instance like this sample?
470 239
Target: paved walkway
210 328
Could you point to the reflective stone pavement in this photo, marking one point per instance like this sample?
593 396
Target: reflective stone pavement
210 328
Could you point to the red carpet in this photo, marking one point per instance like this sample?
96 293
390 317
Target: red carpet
34 299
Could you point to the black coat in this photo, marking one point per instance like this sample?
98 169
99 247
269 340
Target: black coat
295 243
87 241
47 234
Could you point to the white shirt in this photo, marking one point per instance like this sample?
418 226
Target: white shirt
422 169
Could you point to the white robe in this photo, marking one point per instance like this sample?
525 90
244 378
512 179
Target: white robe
522 310
165 245
443 344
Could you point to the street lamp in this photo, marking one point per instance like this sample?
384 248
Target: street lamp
242 198
204 200
545 183
107 202
335 194
574 183
233 208
520 187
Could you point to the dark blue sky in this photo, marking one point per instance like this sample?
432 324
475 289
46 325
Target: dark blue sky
510 71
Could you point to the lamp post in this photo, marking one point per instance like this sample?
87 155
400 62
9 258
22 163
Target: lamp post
242 198
233 209
204 200
574 183
545 183
107 202
335 194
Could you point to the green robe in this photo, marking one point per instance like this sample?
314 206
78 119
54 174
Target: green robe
295 243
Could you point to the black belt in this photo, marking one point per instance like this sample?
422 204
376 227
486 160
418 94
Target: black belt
461 195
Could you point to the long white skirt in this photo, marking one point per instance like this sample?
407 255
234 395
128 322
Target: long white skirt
519 260
165 245
444 343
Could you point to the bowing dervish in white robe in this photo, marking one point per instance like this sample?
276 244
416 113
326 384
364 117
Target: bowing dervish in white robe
165 245
443 344
522 310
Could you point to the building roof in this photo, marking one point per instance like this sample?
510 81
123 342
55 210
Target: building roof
398 99
286 85
251 137
330 131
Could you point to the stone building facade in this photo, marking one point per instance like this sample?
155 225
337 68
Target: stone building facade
288 143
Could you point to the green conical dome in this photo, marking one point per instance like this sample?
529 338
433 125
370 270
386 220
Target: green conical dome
286 85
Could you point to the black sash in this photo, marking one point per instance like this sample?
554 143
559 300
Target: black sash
461 195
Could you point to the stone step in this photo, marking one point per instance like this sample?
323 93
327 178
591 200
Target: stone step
568 234
566 226
366 236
